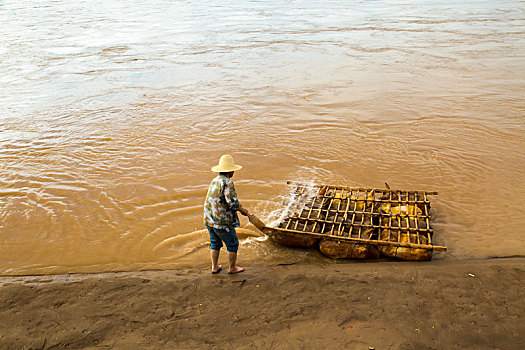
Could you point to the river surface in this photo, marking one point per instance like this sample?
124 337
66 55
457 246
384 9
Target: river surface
113 112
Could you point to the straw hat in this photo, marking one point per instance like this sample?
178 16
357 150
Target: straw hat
226 165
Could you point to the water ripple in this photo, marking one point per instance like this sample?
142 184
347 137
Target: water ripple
112 115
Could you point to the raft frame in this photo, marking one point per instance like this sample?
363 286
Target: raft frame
332 212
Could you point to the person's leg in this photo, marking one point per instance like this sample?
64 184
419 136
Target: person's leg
215 267
215 249
232 260
232 244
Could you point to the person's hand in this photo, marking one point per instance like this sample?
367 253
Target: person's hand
243 211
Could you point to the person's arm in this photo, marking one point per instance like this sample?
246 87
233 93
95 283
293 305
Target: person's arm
231 198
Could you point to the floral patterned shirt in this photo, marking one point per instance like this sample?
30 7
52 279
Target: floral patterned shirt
220 207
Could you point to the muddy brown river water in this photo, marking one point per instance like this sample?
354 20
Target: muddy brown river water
112 114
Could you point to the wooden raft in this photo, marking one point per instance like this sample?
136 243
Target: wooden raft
374 216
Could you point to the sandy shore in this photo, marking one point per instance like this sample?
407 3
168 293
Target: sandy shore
381 305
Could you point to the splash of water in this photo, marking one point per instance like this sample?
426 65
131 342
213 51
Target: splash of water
294 202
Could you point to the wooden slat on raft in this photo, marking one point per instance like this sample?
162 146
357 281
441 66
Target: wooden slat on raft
431 193
267 230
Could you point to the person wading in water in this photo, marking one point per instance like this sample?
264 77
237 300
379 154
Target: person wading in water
220 214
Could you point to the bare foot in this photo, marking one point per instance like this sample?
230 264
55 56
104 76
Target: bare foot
219 268
236 270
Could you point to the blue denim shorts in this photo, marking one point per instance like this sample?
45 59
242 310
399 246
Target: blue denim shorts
218 236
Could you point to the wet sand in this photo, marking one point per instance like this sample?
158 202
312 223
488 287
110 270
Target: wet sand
382 305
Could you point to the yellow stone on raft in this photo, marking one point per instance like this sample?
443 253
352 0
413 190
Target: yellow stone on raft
347 250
